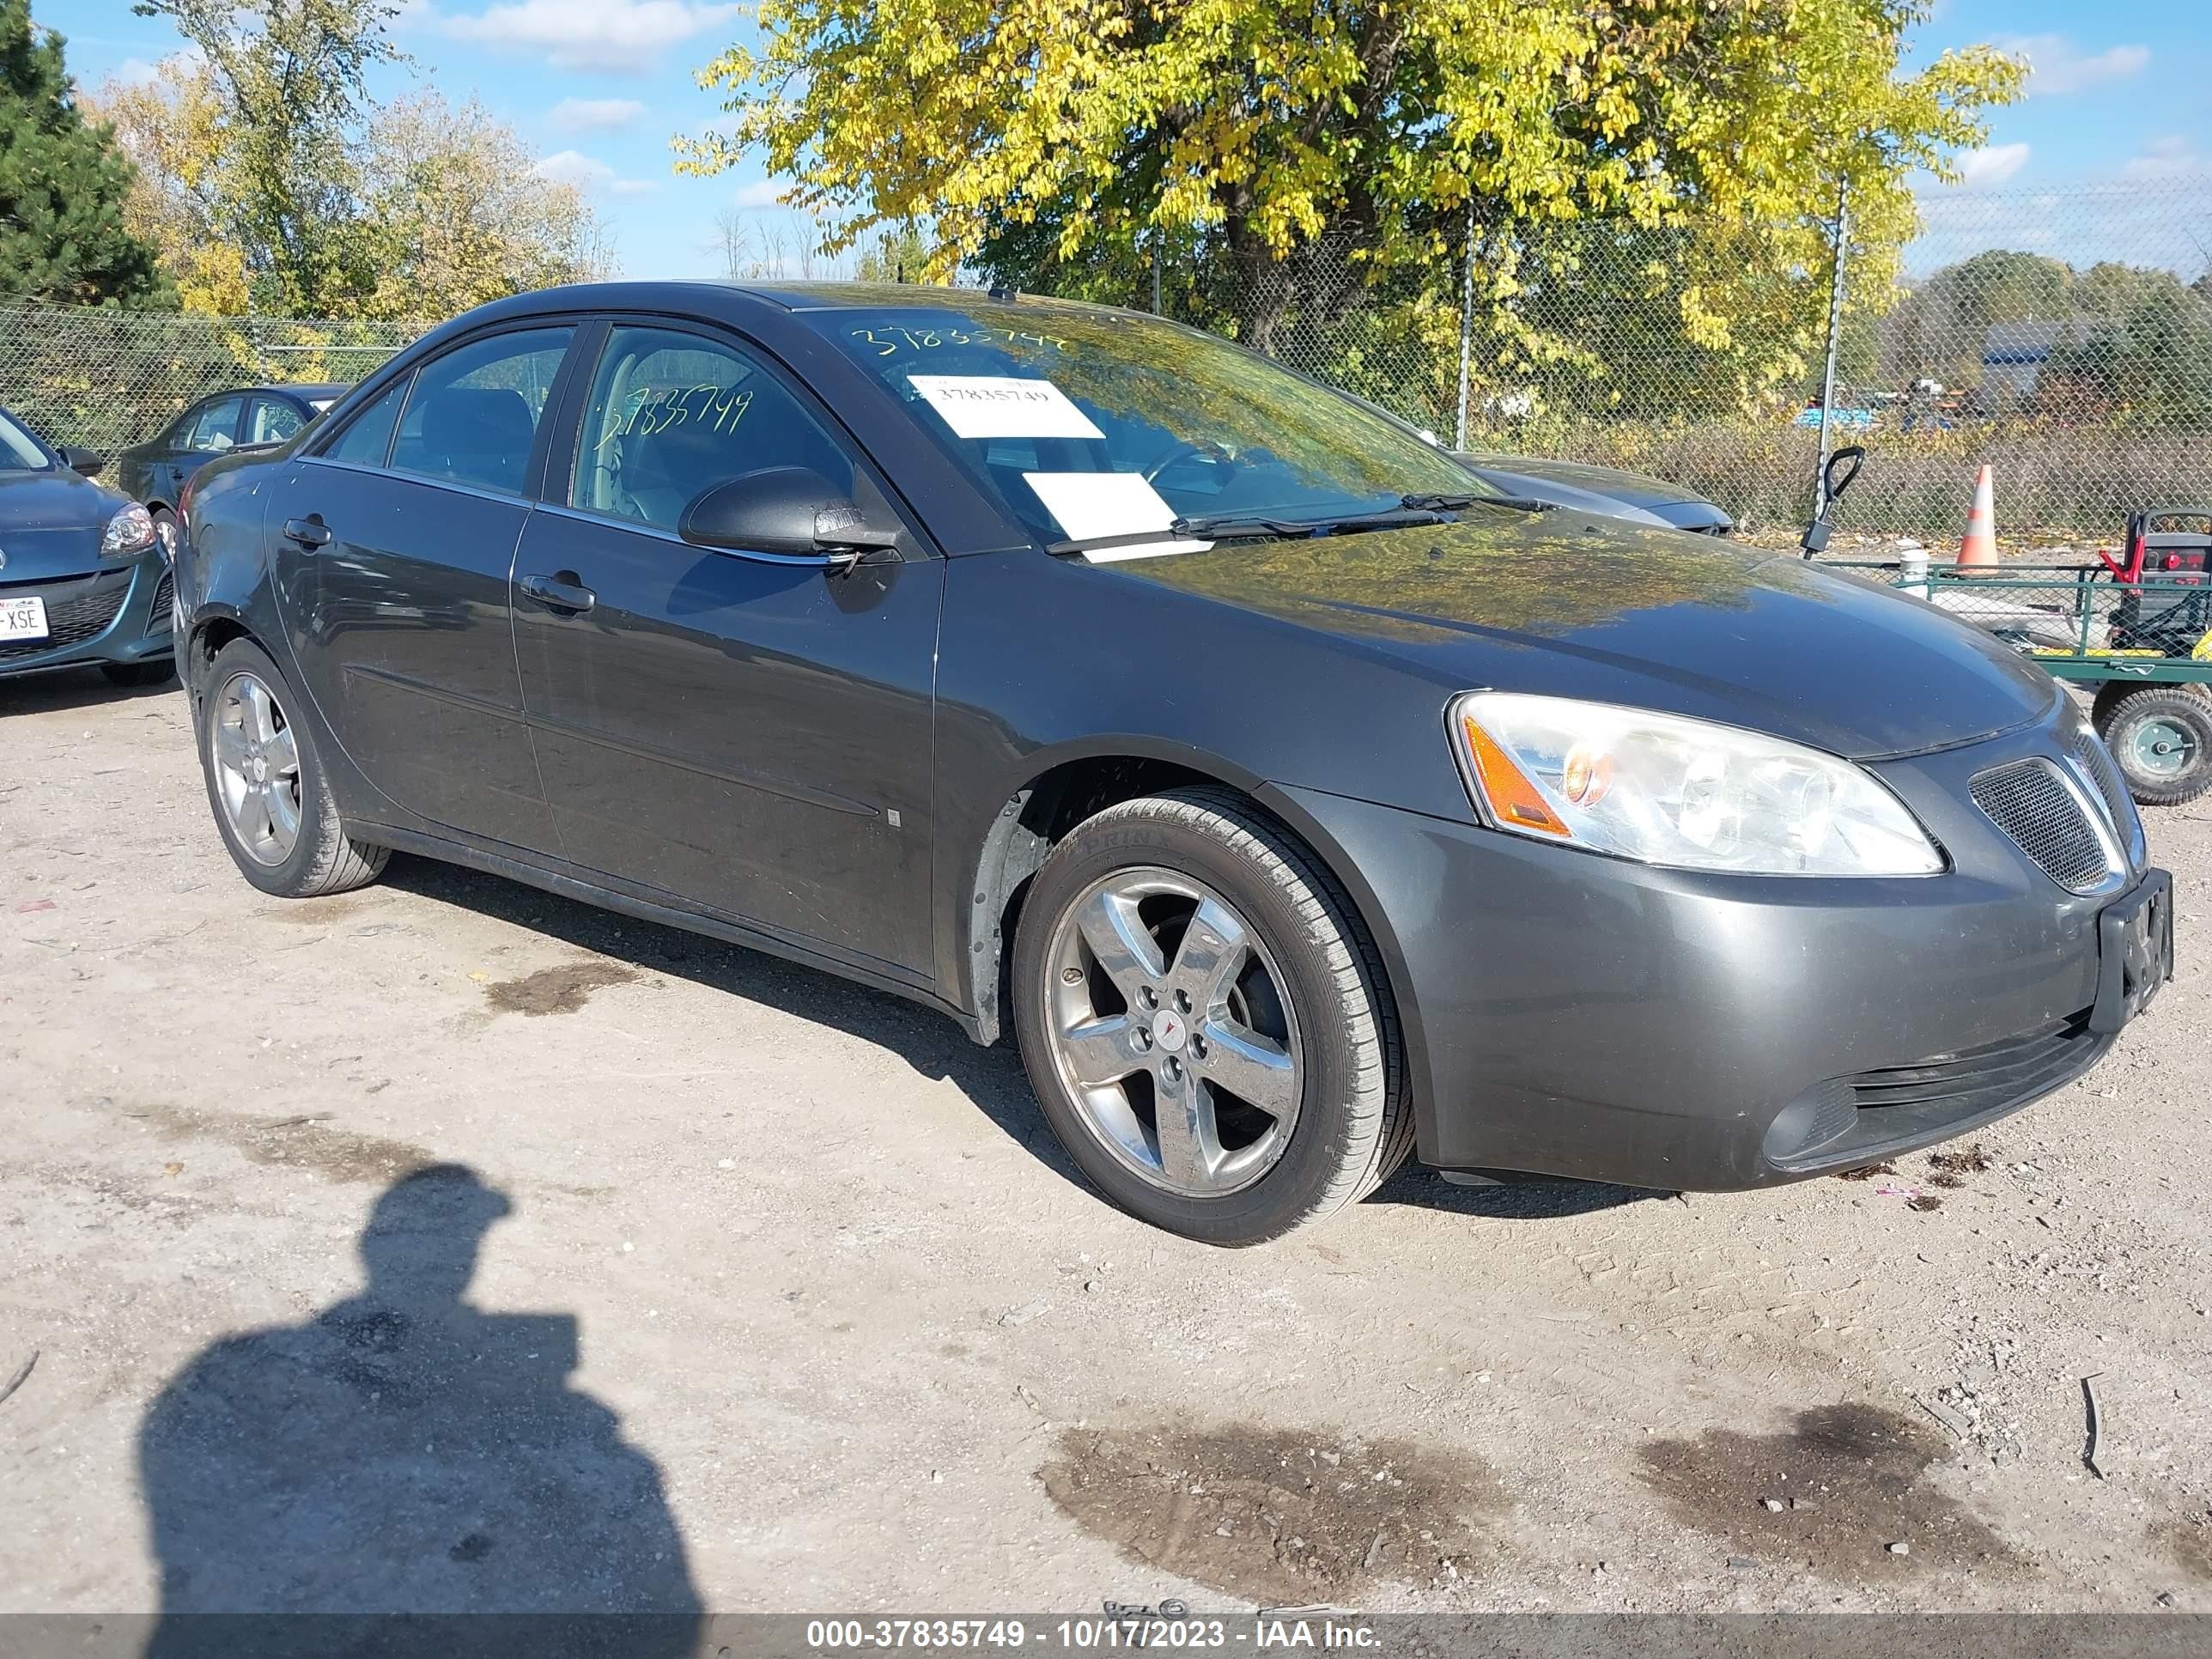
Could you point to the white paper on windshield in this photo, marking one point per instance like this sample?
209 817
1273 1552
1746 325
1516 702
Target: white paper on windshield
1003 406
1089 505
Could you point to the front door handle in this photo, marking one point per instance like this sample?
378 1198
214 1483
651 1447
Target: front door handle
557 594
308 533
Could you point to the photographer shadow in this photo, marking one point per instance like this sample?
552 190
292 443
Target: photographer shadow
404 1453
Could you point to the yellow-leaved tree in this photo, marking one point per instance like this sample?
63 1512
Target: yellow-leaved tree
1299 157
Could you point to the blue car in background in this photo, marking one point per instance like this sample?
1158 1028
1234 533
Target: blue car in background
83 579
157 470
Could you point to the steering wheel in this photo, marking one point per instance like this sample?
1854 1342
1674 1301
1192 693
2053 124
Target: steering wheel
1183 452
1179 451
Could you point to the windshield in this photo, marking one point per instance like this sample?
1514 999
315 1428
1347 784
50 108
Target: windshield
1093 424
19 451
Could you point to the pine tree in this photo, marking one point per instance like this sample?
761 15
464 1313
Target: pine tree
62 185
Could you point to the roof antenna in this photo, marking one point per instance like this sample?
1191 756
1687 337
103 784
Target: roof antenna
1006 294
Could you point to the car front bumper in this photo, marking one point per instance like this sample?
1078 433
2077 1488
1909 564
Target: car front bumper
1576 1015
119 613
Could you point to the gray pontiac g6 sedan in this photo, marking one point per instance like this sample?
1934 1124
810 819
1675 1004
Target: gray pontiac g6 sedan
1299 802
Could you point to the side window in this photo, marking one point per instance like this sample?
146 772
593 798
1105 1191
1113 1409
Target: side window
473 414
273 421
368 437
216 428
672 415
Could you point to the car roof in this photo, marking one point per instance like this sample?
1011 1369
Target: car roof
680 295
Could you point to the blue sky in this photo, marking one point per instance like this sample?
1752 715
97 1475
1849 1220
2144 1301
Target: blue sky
599 86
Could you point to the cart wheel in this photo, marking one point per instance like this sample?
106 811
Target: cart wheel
2161 736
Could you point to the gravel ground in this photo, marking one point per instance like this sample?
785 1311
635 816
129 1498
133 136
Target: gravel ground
703 1280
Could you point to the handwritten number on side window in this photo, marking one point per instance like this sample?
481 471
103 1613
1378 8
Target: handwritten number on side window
718 408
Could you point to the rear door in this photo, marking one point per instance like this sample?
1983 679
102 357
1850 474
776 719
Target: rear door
395 543
747 731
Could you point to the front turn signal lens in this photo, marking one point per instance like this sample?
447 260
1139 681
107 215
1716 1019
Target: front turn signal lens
1516 800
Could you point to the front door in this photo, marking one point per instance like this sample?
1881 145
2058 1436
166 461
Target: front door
395 543
743 732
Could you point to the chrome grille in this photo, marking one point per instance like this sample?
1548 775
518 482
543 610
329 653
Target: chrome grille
76 611
2097 761
2048 820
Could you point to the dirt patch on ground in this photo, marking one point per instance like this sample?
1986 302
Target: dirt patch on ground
555 990
1277 1516
305 913
305 1142
2188 1542
1835 1492
1952 1168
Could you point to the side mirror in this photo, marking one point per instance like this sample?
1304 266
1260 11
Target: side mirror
789 512
86 462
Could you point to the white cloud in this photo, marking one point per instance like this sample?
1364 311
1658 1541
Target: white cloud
594 114
2056 64
587 172
762 193
2171 157
616 36
1986 169
137 72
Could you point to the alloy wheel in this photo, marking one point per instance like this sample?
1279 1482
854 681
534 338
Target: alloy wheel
1171 1025
257 763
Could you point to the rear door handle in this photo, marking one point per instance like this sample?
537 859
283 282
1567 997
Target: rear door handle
308 533
558 595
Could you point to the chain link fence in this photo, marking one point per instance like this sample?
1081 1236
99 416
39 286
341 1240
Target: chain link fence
107 379
2061 337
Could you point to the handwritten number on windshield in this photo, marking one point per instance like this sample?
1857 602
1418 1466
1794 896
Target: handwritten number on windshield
889 339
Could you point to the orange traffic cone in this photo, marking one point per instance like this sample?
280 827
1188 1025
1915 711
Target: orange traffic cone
1979 550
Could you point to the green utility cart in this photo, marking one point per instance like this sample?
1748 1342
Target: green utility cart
2139 629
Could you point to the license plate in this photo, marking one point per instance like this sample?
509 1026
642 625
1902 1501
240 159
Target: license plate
2135 944
23 619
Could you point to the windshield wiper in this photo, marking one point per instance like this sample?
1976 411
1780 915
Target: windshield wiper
1452 501
1229 527
1411 511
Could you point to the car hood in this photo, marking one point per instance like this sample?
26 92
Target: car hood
1646 618
50 524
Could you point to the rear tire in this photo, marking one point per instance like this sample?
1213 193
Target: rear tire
2161 738
1287 1002
265 783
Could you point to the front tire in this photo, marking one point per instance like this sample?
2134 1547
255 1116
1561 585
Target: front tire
265 781
1205 1023
2161 737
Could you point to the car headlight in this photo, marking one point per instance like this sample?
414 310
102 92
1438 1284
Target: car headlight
1663 789
130 531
